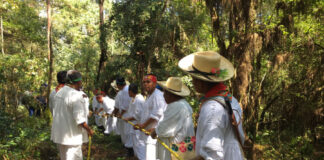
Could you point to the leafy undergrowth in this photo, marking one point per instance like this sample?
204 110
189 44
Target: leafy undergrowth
29 139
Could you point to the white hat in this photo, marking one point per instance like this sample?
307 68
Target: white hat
175 86
208 66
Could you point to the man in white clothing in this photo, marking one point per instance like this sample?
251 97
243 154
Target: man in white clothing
61 79
122 101
216 137
153 109
69 118
107 106
133 114
177 123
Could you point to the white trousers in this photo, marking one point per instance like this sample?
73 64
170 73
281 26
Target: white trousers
138 146
70 152
111 125
150 151
162 153
120 126
128 130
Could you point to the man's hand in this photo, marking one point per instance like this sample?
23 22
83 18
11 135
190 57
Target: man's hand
149 131
87 128
153 134
118 115
90 132
136 127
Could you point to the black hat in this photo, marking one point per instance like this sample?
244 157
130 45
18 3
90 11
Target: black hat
120 81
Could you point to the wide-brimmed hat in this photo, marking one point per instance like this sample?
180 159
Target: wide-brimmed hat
114 84
175 86
208 66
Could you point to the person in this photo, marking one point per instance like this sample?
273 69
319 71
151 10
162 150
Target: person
153 108
106 105
122 101
69 118
61 80
99 119
215 136
177 123
133 114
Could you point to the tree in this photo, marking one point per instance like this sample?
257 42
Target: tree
102 39
50 49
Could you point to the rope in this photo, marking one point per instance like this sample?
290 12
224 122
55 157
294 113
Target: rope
89 148
160 141
146 132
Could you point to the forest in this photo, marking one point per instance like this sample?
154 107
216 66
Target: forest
276 46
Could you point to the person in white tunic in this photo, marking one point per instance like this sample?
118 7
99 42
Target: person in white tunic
215 136
98 111
133 114
61 79
153 109
177 122
69 118
122 101
107 105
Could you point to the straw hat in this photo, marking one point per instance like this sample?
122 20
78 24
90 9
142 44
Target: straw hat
208 66
114 84
175 86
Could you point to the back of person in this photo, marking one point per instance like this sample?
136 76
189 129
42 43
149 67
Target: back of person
214 115
66 132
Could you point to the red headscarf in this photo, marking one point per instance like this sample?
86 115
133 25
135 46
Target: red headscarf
150 78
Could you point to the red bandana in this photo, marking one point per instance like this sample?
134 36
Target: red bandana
150 78
220 89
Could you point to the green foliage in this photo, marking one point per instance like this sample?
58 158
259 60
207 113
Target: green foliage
285 86
25 138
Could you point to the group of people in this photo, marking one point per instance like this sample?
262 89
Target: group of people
162 114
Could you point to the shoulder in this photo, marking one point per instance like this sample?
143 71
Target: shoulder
139 98
52 94
76 95
157 94
213 106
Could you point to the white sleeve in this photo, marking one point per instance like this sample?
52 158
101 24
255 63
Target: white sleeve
172 122
51 100
94 103
108 105
78 108
159 105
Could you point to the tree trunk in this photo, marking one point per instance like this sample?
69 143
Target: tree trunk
102 41
50 49
2 41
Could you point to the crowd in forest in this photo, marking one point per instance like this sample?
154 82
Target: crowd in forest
160 124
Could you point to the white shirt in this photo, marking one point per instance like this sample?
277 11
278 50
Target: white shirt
135 108
95 104
122 99
108 104
177 122
69 111
215 135
153 107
